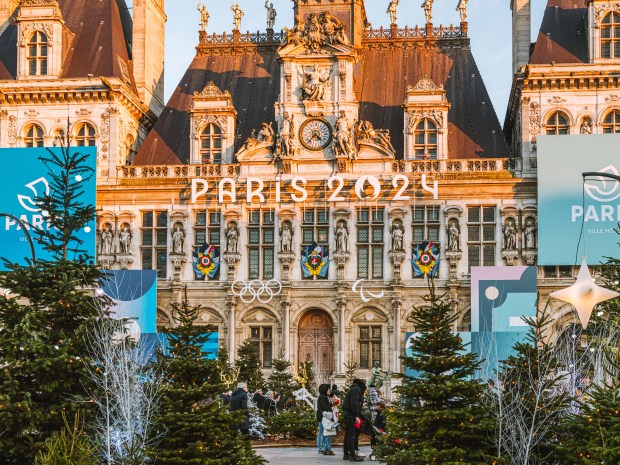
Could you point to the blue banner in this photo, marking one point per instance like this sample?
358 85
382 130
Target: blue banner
566 204
23 178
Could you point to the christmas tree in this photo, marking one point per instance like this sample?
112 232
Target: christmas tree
439 418
350 372
43 316
281 379
249 364
196 427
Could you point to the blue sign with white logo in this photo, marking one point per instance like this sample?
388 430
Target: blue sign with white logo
23 178
566 203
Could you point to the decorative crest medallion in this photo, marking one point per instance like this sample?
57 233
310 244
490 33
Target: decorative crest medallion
319 30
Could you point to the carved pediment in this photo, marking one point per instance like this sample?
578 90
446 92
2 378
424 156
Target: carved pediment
254 151
425 85
316 36
211 90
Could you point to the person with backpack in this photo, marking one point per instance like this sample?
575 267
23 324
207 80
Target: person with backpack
351 413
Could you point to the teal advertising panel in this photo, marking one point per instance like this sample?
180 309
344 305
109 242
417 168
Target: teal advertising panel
23 178
565 203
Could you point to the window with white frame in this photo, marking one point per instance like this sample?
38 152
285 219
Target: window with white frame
370 242
610 36
425 140
481 236
154 245
557 123
261 234
262 343
33 136
370 342
211 144
611 122
37 49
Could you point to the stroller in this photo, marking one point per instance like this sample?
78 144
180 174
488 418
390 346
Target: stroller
367 427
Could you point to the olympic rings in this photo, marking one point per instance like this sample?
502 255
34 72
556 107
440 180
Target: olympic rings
249 291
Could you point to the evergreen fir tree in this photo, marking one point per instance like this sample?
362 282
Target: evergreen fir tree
197 429
281 379
350 372
43 319
439 418
249 366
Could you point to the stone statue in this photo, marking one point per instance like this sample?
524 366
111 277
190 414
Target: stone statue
251 141
267 134
343 138
462 9
428 10
271 14
238 15
124 238
294 36
453 237
392 10
286 239
317 83
397 238
366 131
286 136
378 376
232 238
106 238
204 16
333 29
178 241
586 126
510 236
529 235
342 237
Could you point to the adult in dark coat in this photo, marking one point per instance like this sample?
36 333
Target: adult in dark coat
351 413
239 401
323 404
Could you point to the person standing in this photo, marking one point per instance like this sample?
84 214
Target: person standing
323 404
351 412
239 401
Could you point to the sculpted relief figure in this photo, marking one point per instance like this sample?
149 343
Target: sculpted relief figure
586 126
105 241
267 134
124 239
232 238
510 236
286 144
316 84
342 237
238 12
366 131
453 237
204 16
529 235
271 14
316 32
343 138
397 238
178 241
286 238
393 10
333 29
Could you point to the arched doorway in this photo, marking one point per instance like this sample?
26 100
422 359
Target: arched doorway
316 341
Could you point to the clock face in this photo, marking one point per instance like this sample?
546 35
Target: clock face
315 134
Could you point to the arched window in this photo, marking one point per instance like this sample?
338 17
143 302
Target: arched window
425 140
557 123
610 36
85 135
611 123
33 136
211 144
37 54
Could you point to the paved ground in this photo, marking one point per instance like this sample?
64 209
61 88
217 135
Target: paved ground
305 456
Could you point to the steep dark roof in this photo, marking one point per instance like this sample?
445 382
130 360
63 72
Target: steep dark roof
99 45
253 79
562 37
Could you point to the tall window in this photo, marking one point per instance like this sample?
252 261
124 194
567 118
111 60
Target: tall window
425 224
610 36
37 54
207 227
425 140
154 247
481 236
85 135
557 124
611 123
262 342
33 136
315 227
261 233
370 242
211 144
370 346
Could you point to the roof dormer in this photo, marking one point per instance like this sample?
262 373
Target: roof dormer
42 39
603 30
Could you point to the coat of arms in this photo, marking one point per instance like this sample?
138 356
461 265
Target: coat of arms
314 262
425 261
206 261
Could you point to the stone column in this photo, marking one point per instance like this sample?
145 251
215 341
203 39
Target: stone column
396 306
286 327
341 303
231 304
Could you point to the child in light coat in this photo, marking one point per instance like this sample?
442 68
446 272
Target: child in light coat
329 431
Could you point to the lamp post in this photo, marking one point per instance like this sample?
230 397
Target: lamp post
26 233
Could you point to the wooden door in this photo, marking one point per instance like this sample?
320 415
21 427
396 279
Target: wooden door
316 341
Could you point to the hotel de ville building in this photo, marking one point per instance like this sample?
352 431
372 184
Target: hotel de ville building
299 183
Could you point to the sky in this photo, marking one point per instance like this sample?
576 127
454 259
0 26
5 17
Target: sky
489 31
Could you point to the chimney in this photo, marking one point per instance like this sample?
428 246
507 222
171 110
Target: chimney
521 33
7 10
147 42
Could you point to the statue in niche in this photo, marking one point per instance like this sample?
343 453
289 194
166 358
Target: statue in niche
454 237
529 234
586 126
238 12
378 376
271 14
232 238
286 238
204 16
393 10
397 238
267 134
462 9
178 240
286 137
510 236
343 138
317 83
428 10
105 241
124 239
342 237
